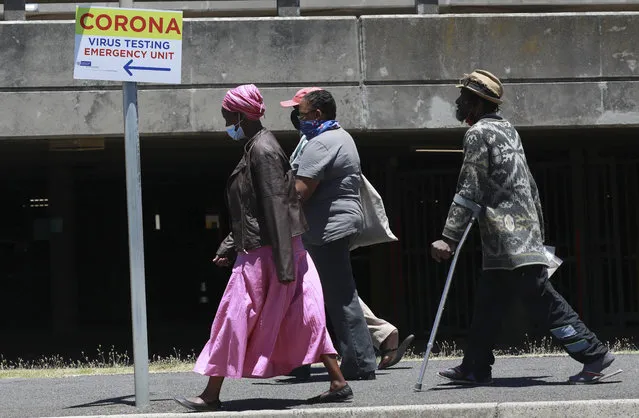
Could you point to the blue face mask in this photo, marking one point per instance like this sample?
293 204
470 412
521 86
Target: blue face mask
312 128
236 132
308 127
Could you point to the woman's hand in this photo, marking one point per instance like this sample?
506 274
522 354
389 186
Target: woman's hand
221 261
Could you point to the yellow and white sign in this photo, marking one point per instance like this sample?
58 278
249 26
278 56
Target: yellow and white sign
128 45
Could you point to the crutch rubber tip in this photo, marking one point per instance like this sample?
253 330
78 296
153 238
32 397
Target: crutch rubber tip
418 387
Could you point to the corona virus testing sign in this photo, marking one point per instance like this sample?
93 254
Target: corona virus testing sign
134 45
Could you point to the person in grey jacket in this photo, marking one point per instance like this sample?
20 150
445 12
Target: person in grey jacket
495 176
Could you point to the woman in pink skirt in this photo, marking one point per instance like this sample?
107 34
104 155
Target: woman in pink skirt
271 317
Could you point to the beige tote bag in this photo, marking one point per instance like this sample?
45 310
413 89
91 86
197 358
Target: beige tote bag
375 229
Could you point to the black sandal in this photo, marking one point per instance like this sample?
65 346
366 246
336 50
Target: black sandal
401 350
200 407
340 395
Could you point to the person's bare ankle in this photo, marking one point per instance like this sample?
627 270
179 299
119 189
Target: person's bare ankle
207 398
337 385
391 341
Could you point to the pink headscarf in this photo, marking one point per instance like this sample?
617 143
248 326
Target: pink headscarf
245 99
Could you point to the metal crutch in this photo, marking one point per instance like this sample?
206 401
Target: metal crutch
475 208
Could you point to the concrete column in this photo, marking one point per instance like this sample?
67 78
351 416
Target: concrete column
14 10
427 7
64 284
288 7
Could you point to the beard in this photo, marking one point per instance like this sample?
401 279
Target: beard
461 114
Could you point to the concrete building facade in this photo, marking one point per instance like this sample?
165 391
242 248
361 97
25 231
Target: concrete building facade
571 87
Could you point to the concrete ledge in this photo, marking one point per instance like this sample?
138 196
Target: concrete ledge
37 10
367 108
271 50
514 46
486 410
388 73
526 105
614 408
514 4
621 408
215 51
247 8
419 49
165 111
534 2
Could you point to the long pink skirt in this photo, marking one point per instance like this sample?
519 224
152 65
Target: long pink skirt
264 328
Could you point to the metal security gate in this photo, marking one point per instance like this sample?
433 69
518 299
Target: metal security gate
556 190
599 275
423 198
611 202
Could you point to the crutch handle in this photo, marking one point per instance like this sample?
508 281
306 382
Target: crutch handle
475 208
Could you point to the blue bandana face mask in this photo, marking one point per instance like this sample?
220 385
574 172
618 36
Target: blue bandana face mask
236 132
312 128
308 127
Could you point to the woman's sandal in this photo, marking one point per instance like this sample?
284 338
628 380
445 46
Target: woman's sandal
200 407
340 395
401 350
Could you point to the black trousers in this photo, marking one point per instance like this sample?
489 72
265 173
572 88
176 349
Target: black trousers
497 289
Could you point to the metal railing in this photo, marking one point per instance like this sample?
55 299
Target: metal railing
524 6
64 9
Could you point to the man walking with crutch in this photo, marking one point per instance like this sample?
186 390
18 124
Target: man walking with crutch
495 176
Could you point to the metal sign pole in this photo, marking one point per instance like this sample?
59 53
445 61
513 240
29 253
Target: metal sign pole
136 238
163 65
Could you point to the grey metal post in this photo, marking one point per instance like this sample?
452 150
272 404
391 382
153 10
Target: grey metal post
288 7
426 6
136 238
14 10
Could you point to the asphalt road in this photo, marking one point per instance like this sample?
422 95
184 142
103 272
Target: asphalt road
515 380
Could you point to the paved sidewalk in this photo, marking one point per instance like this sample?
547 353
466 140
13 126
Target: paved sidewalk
516 380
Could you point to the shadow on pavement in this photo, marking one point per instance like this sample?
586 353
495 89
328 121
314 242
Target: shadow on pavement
314 378
504 382
258 404
120 400
296 380
397 368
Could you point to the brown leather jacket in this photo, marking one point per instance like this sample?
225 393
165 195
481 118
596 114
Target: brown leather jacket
263 204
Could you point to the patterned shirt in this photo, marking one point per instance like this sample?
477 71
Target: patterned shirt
495 175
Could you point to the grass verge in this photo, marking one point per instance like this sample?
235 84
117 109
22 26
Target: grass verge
103 363
544 347
112 363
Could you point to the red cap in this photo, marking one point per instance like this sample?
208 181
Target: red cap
299 96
